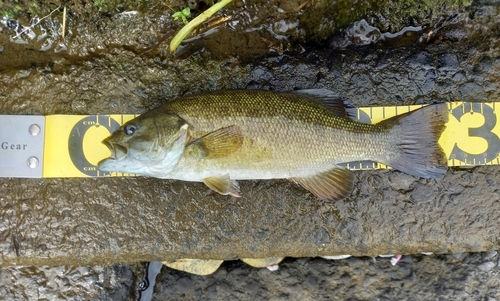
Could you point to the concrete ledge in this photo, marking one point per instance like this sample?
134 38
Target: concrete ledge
99 221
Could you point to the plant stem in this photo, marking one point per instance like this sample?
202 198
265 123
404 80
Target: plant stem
181 35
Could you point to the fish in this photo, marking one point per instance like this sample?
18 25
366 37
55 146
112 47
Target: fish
221 137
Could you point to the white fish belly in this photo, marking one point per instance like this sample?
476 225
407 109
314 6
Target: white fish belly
194 174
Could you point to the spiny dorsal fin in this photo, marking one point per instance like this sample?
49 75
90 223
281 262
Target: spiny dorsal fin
221 142
336 104
334 184
223 185
194 266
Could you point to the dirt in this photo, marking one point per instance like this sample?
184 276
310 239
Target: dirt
119 62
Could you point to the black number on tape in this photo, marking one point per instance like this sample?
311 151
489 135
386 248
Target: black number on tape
484 131
75 141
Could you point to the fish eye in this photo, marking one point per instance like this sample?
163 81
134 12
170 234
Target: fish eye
129 129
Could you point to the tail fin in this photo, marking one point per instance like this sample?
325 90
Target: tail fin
415 149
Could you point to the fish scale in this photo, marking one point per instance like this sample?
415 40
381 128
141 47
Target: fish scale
303 136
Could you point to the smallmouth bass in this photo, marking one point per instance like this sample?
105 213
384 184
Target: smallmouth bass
223 136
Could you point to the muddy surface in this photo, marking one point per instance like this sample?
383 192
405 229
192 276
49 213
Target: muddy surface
120 63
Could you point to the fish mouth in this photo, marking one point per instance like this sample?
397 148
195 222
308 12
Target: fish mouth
118 150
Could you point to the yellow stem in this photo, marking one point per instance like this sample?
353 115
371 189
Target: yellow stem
182 34
64 22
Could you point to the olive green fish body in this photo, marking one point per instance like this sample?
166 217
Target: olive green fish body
223 136
285 135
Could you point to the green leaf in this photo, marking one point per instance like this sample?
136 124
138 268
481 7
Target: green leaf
177 15
186 12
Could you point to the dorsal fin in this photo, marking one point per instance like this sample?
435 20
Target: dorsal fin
336 104
334 184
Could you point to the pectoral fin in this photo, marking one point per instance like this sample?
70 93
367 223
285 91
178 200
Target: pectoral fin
223 185
195 266
334 184
221 142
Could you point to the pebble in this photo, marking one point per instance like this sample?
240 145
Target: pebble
412 277
224 287
489 255
458 256
197 294
472 92
185 284
475 258
369 280
355 262
310 280
345 279
252 286
448 61
296 288
486 266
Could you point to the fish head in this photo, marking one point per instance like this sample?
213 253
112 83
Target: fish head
151 144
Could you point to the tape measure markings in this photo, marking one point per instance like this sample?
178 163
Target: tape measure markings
72 144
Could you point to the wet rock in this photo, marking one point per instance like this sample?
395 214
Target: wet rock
345 279
458 256
489 255
475 258
421 59
369 280
429 82
354 262
185 284
63 283
472 92
310 280
448 61
486 266
224 287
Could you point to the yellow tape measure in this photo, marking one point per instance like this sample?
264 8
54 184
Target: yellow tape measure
73 143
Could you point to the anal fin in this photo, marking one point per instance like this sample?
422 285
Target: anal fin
223 185
334 184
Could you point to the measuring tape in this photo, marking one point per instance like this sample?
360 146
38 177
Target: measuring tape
61 146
